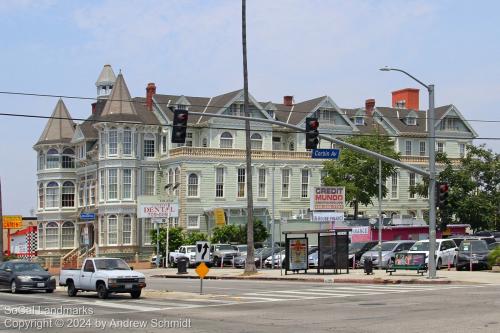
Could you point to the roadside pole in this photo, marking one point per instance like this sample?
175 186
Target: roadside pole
380 221
157 245
1 224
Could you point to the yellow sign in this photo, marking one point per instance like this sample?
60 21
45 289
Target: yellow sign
202 270
12 222
220 219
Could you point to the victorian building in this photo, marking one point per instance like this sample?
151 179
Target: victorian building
93 175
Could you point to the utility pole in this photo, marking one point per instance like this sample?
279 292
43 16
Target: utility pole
250 262
1 224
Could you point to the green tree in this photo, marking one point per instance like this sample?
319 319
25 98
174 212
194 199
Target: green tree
474 185
176 238
359 172
226 234
260 233
195 236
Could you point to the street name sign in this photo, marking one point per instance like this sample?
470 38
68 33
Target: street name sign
87 216
202 251
332 154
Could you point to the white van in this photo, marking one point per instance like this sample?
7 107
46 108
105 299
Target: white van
445 251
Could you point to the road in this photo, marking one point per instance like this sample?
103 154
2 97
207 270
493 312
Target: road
261 306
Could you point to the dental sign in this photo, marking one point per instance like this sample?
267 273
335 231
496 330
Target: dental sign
328 198
156 210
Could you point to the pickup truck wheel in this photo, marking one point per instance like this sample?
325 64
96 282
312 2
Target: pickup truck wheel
49 291
71 289
102 292
135 294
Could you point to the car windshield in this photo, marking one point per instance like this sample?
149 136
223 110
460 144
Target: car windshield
478 245
224 247
354 247
458 241
420 246
26 267
242 248
190 249
385 247
111 264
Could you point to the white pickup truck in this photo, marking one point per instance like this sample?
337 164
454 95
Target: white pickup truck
185 251
104 275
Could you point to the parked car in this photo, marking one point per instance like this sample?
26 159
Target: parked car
312 259
104 275
493 246
472 252
25 275
459 239
278 260
242 249
223 254
184 251
389 249
487 239
357 249
260 255
445 251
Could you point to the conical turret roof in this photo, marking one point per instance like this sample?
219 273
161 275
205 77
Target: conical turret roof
60 127
107 76
120 106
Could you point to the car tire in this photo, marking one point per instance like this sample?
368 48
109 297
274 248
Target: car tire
13 287
49 291
135 294
71 289
102 292
439 263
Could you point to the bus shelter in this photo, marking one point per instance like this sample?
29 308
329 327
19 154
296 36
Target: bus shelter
332 252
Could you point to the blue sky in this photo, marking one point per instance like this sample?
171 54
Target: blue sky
304 48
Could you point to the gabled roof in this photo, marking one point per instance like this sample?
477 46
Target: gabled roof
60 127
370 126
396 118
107 76
196 104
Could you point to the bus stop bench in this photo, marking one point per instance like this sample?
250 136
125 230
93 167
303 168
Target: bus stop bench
408 261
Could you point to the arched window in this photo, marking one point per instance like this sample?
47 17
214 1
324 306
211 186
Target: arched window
149 145
127 141
52 235
193 185
127 230
40 233
41 161
226 140
68 158
291 146
52 159
41 197
112 142
256 141
177 179
112 230
68 194
204 142
68 235
52 195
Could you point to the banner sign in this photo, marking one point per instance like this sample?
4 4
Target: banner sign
298 253
360 230
220 218
328 198
327 217
156 210
12 222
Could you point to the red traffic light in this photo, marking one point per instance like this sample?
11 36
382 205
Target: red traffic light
313 124
443 187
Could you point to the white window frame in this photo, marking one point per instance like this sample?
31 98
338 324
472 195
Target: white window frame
102 185
112 230
149 150
41 196
146 231
113 184
408 147
424 150
461 150
193 185
226 140
67 235
440 146
68 189
113 142
145 185
241 181
395 185
128 139
127 184
305 180
53 242
262 183
54 195
219 182
127 230
53 159
256 141
285 183
191 227
412 181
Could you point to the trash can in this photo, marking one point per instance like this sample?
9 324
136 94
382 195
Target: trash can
182 265
368 266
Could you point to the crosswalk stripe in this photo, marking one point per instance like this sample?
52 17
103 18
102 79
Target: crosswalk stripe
269 299
121 306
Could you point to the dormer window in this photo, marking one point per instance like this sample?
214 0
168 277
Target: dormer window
411 121
271 114
181 107
359 120
328 116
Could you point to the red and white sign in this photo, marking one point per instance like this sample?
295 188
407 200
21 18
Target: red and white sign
156 210
328 198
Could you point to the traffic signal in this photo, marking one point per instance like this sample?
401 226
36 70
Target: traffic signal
312 133
442 195
179 126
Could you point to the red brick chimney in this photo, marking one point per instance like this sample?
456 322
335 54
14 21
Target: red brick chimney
369 105
288 100
150 91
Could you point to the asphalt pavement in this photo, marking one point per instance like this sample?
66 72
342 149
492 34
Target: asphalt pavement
175 305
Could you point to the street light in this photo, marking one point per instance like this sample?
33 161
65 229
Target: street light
432 170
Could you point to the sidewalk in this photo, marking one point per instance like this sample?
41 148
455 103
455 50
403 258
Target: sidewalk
355 276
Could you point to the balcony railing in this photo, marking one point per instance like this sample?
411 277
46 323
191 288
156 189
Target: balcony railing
238 153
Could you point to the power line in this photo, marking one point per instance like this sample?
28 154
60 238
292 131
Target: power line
231 128
204 105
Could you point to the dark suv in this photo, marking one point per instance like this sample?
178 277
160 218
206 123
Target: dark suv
472 252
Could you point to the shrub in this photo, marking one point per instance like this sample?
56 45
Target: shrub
494 257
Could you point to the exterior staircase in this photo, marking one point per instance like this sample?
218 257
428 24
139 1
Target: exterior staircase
84 254
70 259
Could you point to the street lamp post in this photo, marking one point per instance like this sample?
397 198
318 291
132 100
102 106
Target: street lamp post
432 171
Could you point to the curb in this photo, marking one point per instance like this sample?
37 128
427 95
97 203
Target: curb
314 280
